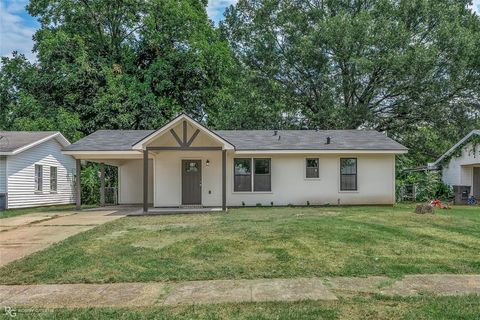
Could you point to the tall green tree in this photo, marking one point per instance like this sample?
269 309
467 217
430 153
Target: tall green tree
404 67
116 64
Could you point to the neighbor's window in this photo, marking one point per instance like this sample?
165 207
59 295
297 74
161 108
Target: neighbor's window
243 174
38 178
348 174
53 179
262 178
312 168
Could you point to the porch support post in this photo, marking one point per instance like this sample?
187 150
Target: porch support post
102 184
145 180
78 204
224 180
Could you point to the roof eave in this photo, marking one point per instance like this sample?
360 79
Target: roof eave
455 146
57 135
318 151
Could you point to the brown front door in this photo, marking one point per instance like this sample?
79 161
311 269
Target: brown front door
476 182
191 182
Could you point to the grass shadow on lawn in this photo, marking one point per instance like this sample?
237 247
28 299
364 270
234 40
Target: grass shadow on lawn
55 208
261 243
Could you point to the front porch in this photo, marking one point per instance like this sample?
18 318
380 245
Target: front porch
470 176
178 169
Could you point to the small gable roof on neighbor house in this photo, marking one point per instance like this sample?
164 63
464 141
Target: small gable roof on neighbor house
436 164
14 142
249 140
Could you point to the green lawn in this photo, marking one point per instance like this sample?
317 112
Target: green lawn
17 212
438 308
261 243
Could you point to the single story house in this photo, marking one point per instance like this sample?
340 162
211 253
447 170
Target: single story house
460 165
186 164
34 171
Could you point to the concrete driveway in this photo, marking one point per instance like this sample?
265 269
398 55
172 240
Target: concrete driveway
26 234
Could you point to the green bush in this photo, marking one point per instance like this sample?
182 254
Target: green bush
90 181
429 185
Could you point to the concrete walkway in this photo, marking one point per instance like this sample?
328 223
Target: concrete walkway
219 291
26 234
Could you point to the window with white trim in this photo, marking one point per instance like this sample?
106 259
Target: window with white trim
348 174
53 179
242 174
262 180
311 170
252 174
38 178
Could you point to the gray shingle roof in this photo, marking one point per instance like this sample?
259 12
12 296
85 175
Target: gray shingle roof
13 140
109 140
122 140
309 140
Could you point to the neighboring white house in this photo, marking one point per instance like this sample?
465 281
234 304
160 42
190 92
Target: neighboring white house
33 170
461 164
186 164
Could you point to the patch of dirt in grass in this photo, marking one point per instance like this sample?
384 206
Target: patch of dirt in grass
166 227
113 235
160 243
327 213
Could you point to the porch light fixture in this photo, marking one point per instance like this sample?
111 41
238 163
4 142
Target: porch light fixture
207 163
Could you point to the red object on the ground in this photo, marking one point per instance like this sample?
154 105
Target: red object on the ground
437 203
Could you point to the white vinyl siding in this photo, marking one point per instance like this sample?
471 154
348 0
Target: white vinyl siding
459 170
21 176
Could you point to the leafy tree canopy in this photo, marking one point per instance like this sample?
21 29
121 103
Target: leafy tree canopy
115 64
408 67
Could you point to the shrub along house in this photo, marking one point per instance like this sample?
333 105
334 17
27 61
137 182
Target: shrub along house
184 164
33 170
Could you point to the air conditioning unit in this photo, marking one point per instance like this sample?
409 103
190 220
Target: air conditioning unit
461 194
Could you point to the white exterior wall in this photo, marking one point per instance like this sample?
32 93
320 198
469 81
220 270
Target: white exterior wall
3 174
375 182
130 182
168 177
459 170
21 176
375 179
